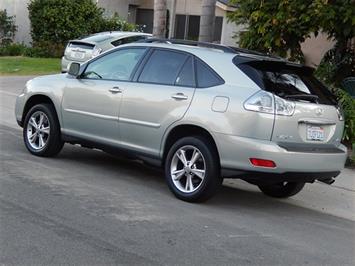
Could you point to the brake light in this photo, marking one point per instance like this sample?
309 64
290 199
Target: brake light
340 113
262 163
266 102
96 51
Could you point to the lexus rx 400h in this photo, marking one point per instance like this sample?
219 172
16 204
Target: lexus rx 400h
202 113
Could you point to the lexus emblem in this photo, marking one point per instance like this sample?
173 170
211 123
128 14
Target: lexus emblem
319 111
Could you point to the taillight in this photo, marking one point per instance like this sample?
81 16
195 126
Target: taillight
340 113
96 51
262 163
266 102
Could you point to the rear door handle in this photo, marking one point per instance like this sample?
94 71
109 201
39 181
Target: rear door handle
179 96
115 90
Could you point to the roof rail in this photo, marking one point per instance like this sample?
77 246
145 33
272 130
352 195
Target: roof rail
224 48
220 47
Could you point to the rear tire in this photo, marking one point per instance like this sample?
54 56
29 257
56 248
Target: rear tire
41 131
197 179
282 190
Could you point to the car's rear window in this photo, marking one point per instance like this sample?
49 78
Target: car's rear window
81 45
286 80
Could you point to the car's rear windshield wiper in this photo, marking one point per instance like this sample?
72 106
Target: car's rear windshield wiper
306 97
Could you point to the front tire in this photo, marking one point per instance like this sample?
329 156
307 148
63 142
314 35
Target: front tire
282 190
41 131
192 169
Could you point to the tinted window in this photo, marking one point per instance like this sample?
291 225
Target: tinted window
81 45
162 67
186 75
118 65
128 40
206 76
285 80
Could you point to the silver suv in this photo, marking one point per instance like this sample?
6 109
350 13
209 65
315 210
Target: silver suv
81 50
202 111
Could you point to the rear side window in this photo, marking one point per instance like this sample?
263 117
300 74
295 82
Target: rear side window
206 77
163 67
186 76
286 81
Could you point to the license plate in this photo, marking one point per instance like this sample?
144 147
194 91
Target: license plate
77 55
315 133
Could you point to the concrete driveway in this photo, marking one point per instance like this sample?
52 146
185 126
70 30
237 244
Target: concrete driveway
88 208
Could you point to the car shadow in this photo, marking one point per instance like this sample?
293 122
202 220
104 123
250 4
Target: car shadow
241 199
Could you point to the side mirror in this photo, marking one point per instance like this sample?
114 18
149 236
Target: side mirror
74 69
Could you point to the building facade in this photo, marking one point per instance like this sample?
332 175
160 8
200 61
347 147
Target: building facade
184 25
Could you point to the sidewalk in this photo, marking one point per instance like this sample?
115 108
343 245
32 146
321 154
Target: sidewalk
337 199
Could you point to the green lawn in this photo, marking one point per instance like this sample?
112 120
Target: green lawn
18 65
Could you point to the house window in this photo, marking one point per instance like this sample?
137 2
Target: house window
144 18
187 27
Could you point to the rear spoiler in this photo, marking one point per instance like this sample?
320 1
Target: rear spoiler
274 63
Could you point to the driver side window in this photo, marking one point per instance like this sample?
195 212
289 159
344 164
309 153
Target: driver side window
118 65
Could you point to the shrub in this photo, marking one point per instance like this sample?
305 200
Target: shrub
58 21
12 49
45 49
348 105
116 23
55 22
7 28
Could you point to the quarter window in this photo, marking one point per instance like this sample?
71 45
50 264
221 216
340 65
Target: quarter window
163 67
118 65
206 77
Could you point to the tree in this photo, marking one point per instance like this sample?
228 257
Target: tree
207 21
280 26
159 22
275 26
7 27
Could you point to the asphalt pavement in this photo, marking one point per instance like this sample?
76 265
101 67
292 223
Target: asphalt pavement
85 207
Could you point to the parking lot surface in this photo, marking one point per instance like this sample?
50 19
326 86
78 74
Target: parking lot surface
86 207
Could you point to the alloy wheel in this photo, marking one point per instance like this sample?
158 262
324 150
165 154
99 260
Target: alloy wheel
188 169
38 130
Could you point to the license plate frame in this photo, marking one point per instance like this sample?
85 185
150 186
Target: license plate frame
315 133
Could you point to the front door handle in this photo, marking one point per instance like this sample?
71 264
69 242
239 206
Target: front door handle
179 96
115 90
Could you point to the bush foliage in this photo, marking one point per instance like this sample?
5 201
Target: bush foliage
7 28
280 26
55 22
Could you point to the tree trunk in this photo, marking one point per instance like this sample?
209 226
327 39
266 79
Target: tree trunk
159 23
207 21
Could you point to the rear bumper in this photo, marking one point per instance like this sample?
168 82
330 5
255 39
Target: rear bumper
235 153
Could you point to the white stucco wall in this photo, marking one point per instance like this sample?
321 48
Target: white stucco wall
19 9
230 32
314 48
114 6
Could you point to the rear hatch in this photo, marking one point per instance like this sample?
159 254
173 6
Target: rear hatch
306 114
79 51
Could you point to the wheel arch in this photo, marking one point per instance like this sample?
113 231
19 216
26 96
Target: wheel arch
185 130
37 99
